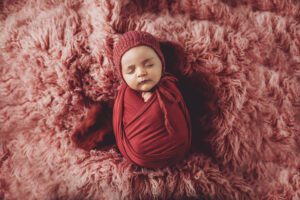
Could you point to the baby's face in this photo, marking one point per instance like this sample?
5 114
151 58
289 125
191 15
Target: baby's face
141 68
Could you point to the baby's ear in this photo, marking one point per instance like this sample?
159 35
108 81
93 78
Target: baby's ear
174 55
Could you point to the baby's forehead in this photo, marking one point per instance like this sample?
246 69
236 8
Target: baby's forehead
139 53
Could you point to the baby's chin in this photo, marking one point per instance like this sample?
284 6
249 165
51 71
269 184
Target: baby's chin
147 87
142 89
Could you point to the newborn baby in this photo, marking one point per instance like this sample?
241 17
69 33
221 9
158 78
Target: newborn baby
150 119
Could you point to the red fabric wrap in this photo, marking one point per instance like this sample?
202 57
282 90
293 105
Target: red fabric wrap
155 133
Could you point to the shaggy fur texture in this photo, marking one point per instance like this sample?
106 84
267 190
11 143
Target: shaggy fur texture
241 79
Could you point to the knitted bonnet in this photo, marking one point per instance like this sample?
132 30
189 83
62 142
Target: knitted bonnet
133 39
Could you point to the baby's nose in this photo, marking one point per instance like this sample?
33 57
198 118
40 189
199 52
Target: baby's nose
141 72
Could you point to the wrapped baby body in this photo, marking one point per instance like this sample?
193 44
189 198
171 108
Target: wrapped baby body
150 119
155 133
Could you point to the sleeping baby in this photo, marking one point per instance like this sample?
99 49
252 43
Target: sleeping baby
150 119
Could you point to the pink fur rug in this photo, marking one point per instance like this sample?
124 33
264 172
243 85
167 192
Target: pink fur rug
243 58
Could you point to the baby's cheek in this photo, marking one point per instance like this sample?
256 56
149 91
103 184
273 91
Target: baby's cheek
134 85
129 80
157 76
134 82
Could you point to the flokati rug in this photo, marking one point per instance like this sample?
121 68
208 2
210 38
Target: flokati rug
242 68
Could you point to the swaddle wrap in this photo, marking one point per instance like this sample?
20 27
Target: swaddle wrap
155 133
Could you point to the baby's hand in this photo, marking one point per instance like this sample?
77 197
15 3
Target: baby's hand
146 96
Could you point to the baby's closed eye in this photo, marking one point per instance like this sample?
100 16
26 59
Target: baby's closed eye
149 65
130 70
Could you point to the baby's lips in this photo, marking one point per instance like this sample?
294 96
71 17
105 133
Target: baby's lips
144 81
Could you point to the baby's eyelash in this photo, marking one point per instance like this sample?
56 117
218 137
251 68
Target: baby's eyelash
130 71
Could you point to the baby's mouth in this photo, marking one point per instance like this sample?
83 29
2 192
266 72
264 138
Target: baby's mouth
144 81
